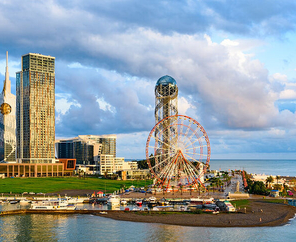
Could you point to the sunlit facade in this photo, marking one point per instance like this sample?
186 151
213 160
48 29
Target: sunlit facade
86 148
35 99
7 121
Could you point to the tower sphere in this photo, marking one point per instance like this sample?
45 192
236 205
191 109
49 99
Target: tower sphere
166 86
166 80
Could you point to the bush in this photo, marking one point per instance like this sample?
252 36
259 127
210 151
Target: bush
258 187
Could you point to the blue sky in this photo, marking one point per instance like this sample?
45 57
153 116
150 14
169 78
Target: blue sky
234 63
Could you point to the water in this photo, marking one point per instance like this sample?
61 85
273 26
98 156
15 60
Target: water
37 227
268 167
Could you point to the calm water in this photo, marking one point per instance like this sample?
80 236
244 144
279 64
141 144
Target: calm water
93 228
268 167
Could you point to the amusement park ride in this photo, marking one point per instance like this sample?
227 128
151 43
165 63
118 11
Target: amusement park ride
178 148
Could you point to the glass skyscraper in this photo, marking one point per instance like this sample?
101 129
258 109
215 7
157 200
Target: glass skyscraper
86 148
35 109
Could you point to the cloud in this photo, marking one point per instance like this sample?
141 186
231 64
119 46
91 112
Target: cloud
109 54
288 94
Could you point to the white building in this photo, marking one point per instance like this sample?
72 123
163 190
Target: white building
108 164
7 121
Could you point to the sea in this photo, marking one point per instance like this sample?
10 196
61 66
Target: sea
78 227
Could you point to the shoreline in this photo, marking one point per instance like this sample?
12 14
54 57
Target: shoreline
258 214
200 220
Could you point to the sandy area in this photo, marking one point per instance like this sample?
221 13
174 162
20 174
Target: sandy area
258 213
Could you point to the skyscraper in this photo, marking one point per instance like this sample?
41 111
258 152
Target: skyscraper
35 106
7 121
86 148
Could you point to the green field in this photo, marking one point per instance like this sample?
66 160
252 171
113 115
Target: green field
54 185
240 203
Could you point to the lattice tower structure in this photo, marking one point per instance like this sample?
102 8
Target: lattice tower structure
166 104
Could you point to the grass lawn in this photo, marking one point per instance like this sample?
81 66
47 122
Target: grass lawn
240 203
275 201
54 185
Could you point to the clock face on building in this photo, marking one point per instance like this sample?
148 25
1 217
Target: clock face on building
5 108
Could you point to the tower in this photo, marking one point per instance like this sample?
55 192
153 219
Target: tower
166 98
35 99
7 120
166 104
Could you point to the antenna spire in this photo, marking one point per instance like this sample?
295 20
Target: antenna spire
7 85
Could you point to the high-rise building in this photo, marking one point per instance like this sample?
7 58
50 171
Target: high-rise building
86 149
35 109
7 121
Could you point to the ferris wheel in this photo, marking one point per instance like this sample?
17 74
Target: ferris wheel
178 152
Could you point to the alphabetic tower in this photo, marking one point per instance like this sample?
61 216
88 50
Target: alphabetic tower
166 104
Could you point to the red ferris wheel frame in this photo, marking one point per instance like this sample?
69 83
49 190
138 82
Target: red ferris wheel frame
195 129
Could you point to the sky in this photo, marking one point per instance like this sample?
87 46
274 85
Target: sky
234 63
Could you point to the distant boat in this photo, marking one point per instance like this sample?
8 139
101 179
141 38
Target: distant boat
201 200
113 200
25 201
139 202
163 202
52 205
162 208
152 200
123 202
14 202
74 200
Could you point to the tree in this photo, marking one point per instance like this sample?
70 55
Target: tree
277 187
277 179
269 180
258 188
173 188
181 189
190 187
219 183
208 188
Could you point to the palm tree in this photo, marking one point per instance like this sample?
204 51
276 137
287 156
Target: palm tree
181 189
219 183
173 188
154 188
269 180
190 187
208 188
277 179
277 187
